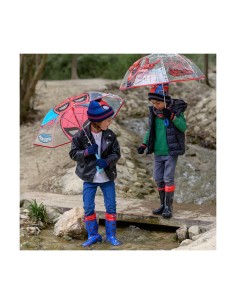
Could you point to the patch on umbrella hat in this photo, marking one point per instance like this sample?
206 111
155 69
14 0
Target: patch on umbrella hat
160 93
159 89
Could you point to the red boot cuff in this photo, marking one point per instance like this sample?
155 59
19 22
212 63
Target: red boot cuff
110 216
90 217
170 188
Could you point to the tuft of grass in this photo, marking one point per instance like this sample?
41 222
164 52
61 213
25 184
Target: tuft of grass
37 212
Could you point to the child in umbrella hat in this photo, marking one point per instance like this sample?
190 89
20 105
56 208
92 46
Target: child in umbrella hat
166 139
106 146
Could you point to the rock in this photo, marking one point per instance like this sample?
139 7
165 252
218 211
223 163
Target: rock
125 150
53 214
124 188
40 224
193 230
33 230
182 233
143 191
24 217
130 164
202 241
195 237
186 242
121 161
209 227
71 183
141 175
141 170
71 224
207 241
25 203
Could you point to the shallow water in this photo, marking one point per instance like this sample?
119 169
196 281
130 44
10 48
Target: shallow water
196 176
132 238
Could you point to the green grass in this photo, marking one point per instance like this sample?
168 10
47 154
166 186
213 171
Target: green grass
38 212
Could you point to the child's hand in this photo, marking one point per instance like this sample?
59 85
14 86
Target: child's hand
141 149
91 150
168 114
101 163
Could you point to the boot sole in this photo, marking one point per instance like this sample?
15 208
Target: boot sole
99 240
165 216
157 213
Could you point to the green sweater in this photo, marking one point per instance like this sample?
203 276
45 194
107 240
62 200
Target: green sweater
160 143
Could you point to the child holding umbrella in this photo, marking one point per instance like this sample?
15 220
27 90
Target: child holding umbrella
97 172
166 139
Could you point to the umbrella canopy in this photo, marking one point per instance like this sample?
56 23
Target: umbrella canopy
64 120
156 69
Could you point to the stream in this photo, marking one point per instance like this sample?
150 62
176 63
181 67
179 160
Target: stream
132 238
195 175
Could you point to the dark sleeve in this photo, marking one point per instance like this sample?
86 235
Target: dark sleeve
77 150
114 155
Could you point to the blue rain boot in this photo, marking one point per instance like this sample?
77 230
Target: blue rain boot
92 229
111 230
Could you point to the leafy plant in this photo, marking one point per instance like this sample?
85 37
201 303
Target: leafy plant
38 212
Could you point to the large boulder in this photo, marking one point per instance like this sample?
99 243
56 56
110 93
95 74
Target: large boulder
71 224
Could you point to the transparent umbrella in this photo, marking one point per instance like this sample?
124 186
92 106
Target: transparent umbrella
157 69
64 120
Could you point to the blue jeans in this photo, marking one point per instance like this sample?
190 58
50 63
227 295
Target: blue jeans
164 169
109 193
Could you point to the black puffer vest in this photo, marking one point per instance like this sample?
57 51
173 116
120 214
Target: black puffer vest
175 137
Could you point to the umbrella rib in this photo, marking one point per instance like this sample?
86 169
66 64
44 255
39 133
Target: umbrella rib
54 131
81 126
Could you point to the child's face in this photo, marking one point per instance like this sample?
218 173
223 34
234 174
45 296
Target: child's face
104 124
158 104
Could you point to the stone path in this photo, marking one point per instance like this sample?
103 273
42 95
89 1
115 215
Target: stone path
132 210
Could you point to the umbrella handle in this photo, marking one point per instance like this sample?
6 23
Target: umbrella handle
100 170
166 122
